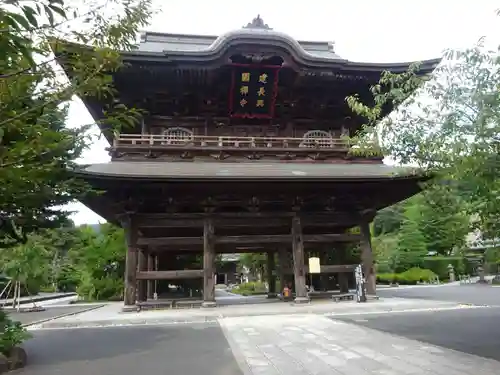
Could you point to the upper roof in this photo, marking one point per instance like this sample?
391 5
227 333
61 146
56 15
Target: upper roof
171 48
256 30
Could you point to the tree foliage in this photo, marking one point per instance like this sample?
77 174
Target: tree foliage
255 263
411 241
448 125
37 149
83 259
436 218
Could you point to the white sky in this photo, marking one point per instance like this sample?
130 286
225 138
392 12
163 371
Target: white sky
363 30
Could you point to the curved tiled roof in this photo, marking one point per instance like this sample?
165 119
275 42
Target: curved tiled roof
180 47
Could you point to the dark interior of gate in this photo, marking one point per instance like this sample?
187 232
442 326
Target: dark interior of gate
242 148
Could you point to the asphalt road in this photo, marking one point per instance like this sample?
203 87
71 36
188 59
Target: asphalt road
183 349
48 313
468 294
473 331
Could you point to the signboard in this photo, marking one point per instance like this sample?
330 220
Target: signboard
253 91
314 266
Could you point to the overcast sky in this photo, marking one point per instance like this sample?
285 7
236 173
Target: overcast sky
363 30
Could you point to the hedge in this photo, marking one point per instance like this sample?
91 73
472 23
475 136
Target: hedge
439 265
253 288
409 277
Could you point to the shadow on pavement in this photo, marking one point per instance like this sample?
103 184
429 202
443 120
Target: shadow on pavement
183 349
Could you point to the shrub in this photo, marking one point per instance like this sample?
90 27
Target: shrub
386 278
415 275
439 265
409 277
250 288
11 333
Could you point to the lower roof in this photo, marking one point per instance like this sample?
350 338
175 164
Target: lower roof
156 170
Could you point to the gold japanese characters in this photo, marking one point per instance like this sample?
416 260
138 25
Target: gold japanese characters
260 91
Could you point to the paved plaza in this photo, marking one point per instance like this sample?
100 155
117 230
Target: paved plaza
317 345
260 345
413 333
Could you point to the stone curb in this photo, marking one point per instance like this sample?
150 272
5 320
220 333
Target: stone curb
114 323
36 299
215 318
41 321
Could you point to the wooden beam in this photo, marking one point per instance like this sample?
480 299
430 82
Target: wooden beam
245 219
338 268
335 268
332 237
169 275
248 240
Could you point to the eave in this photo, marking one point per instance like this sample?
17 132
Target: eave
217 55
250 171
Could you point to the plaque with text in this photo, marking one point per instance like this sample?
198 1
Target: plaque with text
253 91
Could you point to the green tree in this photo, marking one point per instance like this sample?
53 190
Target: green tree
388 220
443 221
450 127
37 150
255 262
27 263
385 251
411 242
98 258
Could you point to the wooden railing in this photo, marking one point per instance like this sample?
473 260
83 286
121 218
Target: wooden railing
174 141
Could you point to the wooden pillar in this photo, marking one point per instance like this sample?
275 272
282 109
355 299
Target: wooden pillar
298 262
157 268
323 278
271 277
208 264
130 294
367 259
151 283
342 277
284 264
142 264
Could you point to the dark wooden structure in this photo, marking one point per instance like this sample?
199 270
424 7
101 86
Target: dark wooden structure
241 150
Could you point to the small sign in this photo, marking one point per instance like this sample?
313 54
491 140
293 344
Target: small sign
314 266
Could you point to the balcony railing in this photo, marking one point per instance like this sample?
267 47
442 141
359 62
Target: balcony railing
130 141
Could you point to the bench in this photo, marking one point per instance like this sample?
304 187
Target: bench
154 305
343 297
31 309
187 304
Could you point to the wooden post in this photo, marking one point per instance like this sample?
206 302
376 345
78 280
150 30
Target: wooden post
284 264
130 294
298 262
208 264
342 277
150 283
141 266
367 259
271 277
323 277
157 267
